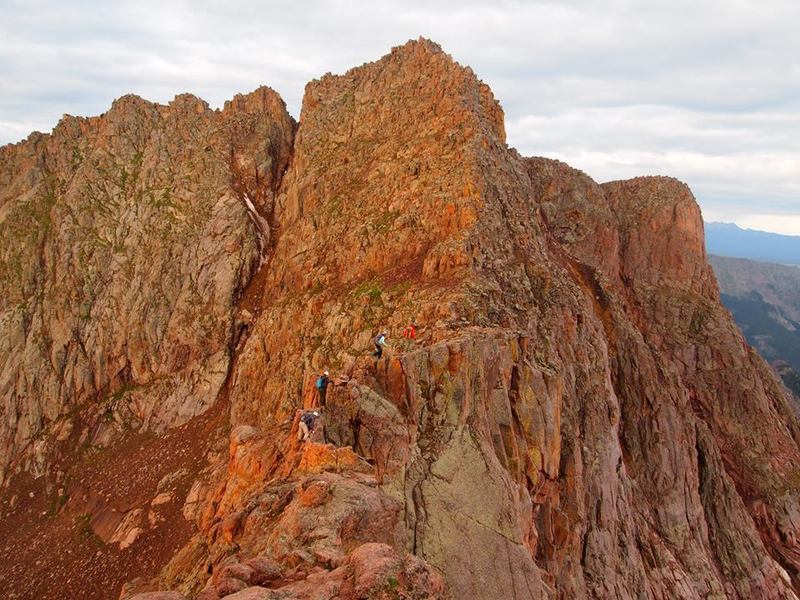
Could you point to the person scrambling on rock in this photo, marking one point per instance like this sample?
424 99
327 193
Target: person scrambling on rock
380 343
322 387
306 425
410 332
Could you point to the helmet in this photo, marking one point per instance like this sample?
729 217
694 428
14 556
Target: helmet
316 414
326 373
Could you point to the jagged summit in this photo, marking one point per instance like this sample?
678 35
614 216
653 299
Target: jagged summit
417 66
418 51
577 417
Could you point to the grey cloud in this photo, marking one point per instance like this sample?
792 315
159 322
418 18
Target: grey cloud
708 92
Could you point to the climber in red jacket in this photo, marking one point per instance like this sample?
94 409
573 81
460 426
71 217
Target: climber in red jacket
410 332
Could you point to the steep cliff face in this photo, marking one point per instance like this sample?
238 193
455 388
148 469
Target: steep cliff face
578 418
127 240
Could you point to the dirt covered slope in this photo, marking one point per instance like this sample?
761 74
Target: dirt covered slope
578 418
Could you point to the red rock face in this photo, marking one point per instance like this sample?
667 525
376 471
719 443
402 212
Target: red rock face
128 239
578 418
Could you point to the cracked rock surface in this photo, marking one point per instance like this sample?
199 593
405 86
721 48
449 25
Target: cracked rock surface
127 241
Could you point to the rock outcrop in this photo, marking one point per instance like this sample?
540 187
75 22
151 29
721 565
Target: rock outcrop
128 239
579 417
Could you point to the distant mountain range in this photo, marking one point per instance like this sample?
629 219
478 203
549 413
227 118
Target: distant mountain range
728 239
759 280
764 299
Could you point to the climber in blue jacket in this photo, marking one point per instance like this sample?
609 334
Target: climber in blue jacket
322 387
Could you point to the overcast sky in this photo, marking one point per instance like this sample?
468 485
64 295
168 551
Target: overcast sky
707 91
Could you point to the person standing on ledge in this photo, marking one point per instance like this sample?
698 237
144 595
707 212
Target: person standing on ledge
322 387
306 425
380 343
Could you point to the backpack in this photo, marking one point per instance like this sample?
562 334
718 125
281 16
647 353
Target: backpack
320 383
308 419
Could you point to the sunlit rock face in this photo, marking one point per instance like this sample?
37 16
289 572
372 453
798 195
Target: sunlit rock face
127 242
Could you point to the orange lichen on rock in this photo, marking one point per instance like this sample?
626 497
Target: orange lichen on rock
317 458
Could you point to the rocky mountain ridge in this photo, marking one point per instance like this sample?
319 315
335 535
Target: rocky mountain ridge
578 418
727 239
